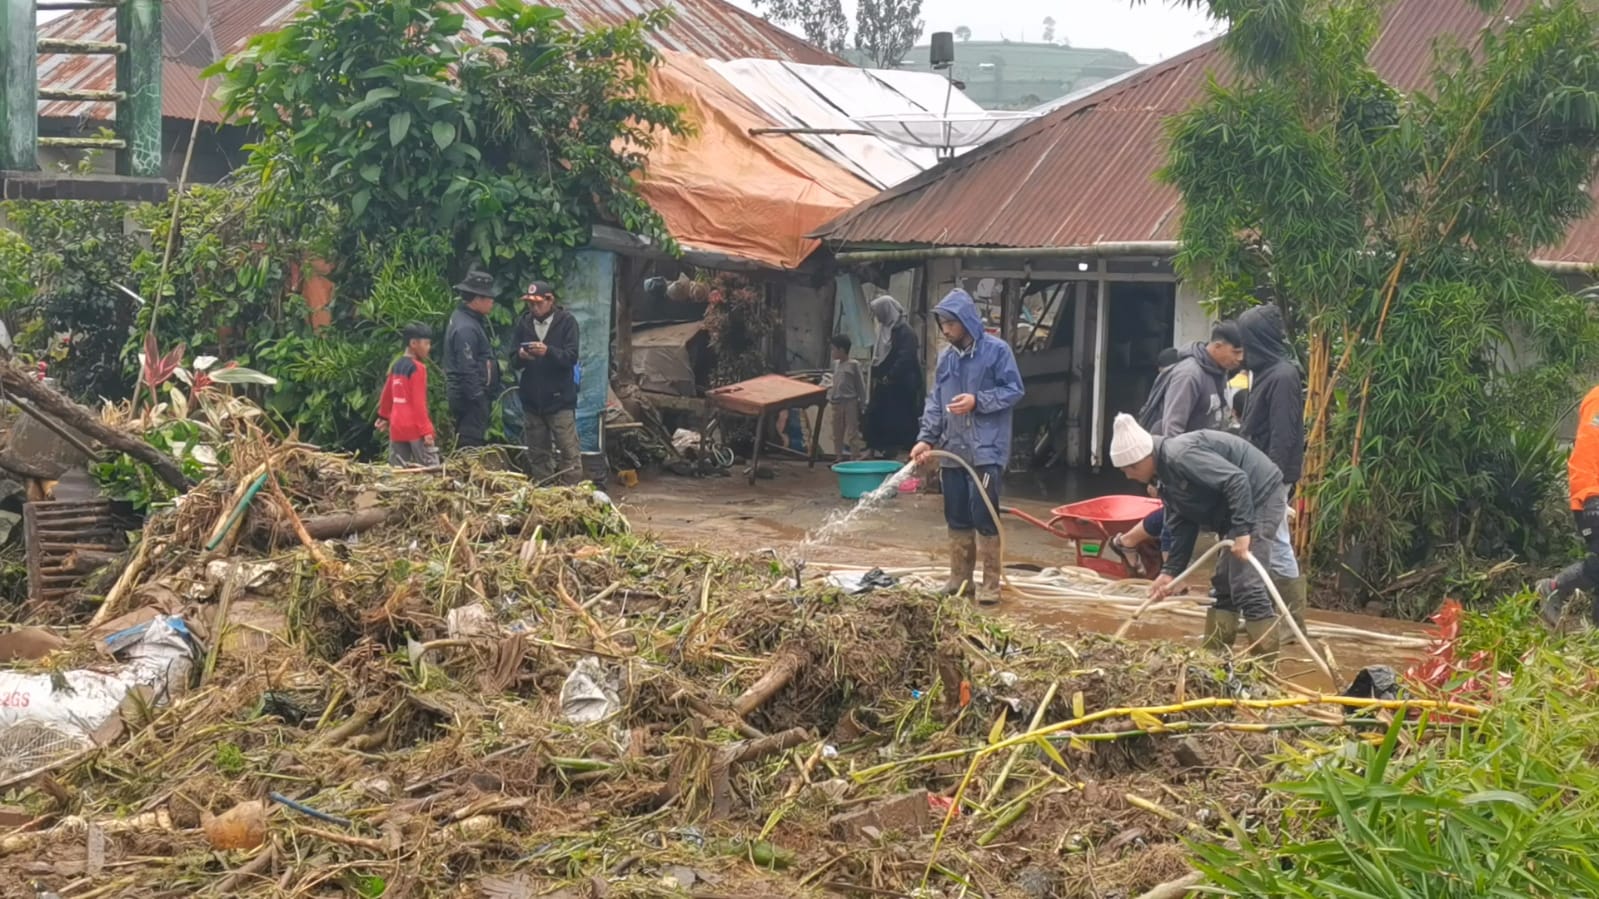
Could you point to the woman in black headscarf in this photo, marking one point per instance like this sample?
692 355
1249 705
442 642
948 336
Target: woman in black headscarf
893 414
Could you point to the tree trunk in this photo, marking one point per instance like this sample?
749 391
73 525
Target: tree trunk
48 402
1318 402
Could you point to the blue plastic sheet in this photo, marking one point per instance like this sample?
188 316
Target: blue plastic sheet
586 293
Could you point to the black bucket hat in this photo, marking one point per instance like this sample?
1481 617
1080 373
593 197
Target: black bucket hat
478 284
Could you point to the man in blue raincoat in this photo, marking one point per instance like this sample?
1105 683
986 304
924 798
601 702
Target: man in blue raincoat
968 413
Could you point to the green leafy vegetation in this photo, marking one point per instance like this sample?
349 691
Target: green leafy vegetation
1396 230
1506 806
63 298
376 117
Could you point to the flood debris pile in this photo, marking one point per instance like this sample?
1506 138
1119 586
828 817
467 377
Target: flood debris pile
374 682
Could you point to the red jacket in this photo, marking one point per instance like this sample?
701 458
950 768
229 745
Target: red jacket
404 404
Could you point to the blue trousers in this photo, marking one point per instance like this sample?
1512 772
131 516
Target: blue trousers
1155 526
963 504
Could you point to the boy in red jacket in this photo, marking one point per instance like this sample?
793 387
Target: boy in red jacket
403 409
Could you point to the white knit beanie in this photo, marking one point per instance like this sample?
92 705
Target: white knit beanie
1129 443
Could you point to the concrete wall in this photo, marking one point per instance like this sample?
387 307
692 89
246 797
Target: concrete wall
1190 321
806 329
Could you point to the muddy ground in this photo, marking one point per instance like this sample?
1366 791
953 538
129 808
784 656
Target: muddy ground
730 515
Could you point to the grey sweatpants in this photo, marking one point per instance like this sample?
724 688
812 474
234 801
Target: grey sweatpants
1238 585
412 454
546 434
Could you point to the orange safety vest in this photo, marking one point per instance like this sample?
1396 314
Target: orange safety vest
1582 470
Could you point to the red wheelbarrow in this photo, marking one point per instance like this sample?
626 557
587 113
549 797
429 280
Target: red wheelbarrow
1091 523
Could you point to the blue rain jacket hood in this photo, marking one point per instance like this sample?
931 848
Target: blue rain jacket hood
987 370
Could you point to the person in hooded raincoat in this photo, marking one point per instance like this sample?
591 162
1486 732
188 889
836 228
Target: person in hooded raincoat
968 413
896 396
1274 422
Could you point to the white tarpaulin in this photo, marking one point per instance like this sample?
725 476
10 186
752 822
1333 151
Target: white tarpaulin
833 97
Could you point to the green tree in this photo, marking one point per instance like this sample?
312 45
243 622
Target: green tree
823 22
79 312
373 116
1397 232
886 30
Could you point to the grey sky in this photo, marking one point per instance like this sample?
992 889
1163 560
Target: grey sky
1150 30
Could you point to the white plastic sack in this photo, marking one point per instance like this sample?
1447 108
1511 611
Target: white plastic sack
587 697
46 715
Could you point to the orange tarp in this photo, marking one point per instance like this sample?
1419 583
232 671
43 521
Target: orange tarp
725 191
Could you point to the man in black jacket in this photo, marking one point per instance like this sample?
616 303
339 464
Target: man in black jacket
1211 480
546 354
471 371
1274 421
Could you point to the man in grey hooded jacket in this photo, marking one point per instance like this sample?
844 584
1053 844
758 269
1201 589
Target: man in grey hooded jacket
1213 481
1194 397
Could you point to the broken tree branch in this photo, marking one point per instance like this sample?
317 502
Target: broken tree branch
123 586
787 663
338 524
46 401
721 774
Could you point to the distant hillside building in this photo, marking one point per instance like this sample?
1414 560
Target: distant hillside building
1015 75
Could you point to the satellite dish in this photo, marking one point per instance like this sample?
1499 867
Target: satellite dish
944 133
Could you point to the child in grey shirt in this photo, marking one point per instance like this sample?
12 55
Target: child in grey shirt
845 395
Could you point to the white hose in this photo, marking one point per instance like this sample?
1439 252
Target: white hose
1042 586
1271 588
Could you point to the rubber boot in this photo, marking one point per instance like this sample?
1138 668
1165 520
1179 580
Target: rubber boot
988 553
1293 592
1221 629
962 559
1265 636
1553 596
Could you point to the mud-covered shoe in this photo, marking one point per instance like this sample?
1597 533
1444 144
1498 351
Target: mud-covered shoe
1551 602
1221 629
1265 637
962 560
988 554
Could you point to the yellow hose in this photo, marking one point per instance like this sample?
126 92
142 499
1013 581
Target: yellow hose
1271 588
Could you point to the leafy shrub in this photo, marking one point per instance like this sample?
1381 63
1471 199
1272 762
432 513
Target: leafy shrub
1507 807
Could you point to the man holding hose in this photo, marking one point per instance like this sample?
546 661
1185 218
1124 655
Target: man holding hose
968 414
1218 482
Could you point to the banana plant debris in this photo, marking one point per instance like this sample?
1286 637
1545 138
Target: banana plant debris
451 683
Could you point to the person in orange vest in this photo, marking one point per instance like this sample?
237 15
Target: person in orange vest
1582 476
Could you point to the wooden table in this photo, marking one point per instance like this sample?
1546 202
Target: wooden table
760 397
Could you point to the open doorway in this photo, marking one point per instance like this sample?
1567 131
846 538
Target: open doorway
1140 327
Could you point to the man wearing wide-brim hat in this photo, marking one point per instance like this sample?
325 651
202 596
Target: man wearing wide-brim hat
470 368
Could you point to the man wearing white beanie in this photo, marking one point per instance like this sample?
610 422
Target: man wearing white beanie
1218 482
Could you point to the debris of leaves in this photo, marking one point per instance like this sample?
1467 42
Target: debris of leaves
453 683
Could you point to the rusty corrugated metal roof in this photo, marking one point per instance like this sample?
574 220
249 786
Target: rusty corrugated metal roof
1085 173
712 29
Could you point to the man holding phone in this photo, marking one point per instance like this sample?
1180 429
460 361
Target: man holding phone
546 356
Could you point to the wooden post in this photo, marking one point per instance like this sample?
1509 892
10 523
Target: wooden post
1101 335
1077 390
629 275
139 79
19 91
1010 308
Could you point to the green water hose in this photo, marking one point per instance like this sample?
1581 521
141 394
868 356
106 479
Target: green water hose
238 512
1271 588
